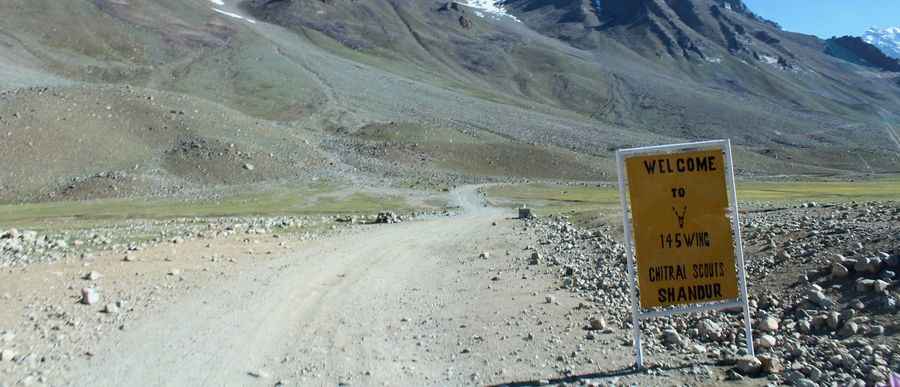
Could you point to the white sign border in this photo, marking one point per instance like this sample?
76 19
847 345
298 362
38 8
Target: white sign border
636 313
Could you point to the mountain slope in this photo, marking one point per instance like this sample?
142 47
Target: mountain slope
455 93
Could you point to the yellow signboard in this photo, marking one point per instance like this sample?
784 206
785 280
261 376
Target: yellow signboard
683 241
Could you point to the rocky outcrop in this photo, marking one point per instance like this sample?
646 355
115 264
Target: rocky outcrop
856 50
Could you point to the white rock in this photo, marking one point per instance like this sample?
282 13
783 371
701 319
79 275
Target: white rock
768 324
766 341
89 296
709 330
7 355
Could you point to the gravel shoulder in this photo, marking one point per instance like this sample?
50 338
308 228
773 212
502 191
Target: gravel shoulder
416 303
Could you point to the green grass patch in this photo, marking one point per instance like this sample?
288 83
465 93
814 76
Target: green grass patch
548 199
306 201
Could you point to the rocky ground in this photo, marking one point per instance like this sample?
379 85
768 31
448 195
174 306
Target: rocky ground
473 299
823 299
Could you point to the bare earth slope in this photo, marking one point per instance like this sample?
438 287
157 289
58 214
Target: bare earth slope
132 88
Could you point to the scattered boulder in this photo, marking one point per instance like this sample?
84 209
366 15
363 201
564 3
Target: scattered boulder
766 342
7 355
709 330
748 365
839 271
597 323
770 364
387 218
767 324
89 296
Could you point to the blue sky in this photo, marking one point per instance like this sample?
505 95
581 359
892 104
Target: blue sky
827 18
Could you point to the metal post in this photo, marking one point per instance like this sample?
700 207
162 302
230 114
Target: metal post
739 248
635 309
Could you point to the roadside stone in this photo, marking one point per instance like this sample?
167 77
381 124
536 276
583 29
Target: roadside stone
816 296
833 320
766 341
7 355
709 330
92 276
771 364
849 329
768 324
876 330
733 375
839 271
597 324
748 365
804 382
672 338
813 373
89 296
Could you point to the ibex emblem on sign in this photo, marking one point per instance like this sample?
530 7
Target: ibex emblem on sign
680 216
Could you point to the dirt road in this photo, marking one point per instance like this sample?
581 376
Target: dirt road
406 304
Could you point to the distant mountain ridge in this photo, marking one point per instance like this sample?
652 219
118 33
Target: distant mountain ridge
187 95
886 39
857 50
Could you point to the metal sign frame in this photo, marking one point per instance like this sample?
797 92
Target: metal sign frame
637 314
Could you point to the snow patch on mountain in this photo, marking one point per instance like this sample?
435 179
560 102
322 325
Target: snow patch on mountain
234 15
886 39
490 8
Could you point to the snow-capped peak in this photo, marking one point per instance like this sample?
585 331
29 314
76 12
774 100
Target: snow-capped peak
490 8
886 39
